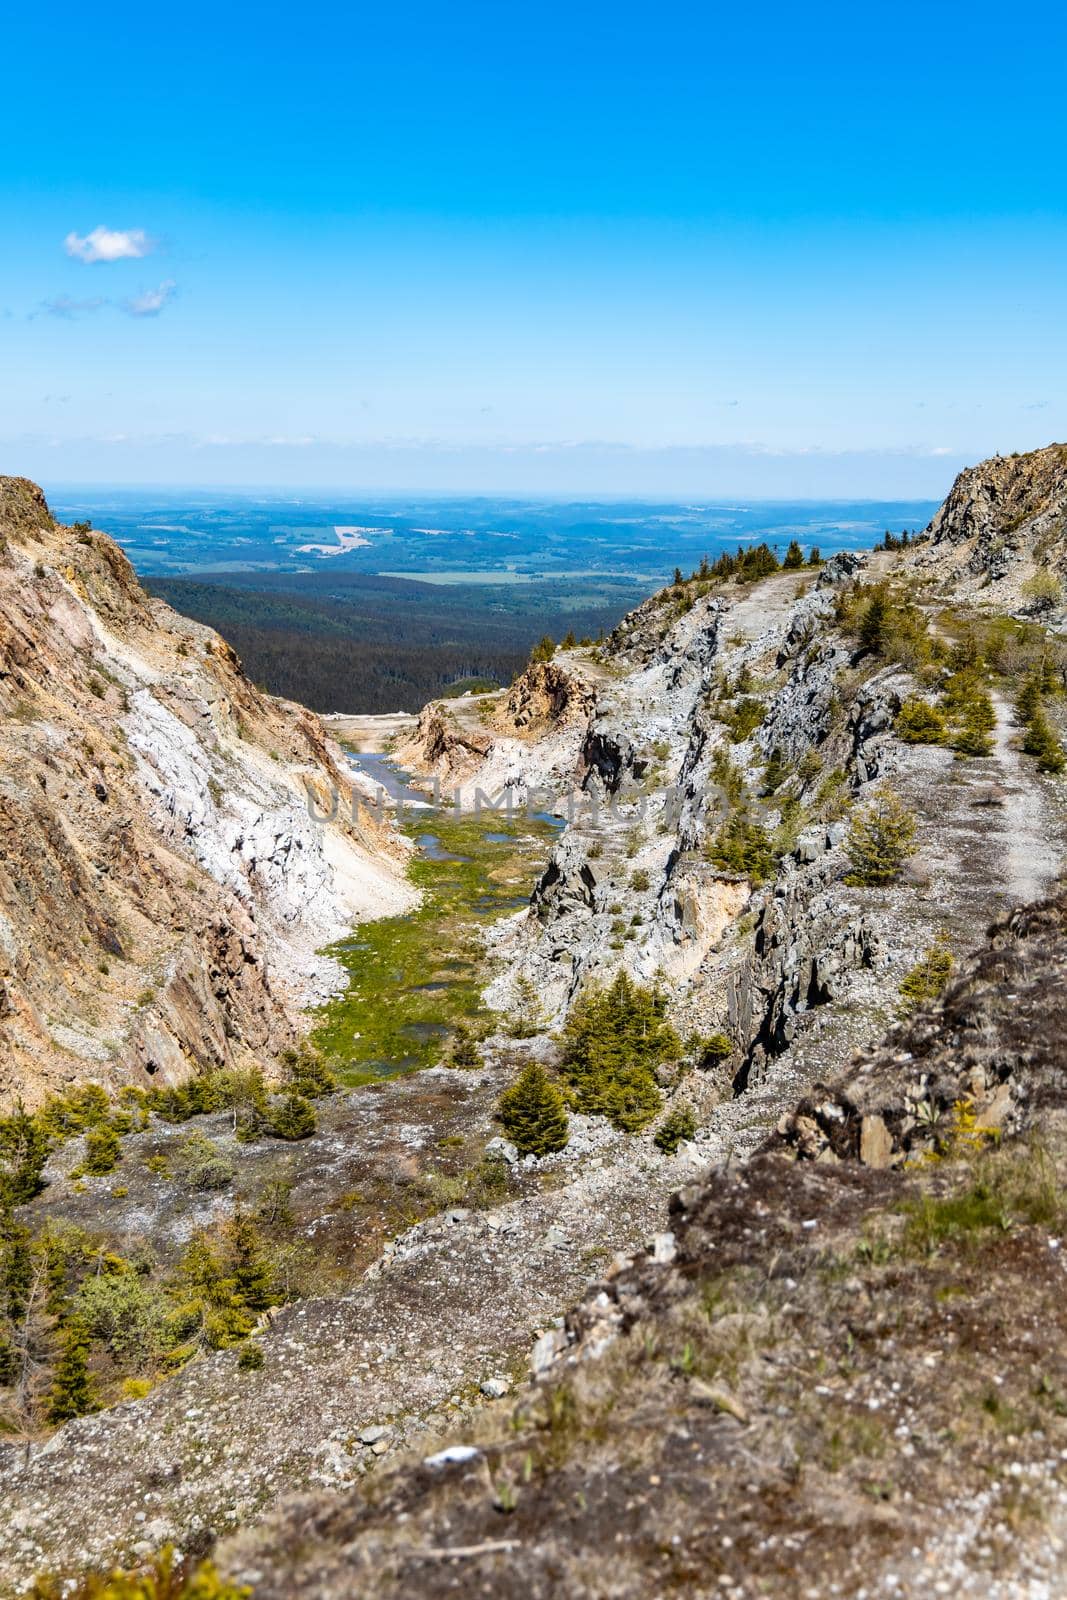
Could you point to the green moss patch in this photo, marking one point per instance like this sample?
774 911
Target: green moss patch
414 979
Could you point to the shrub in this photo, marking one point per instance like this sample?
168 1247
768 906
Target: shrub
165 1577
1043 591
292 1118
639 879
102 1151
533 1114
742 845
202 1164
679 1124
880 839
929 975
250 1357
715 1048
794 557
122 1311
918 722
744 718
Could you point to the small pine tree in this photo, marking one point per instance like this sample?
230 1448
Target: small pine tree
72 1389
742 845
102 1151
1042 741
528 1018
794 557
16 1270
293 1118
815 559
632 1098
533 1113
929 975
679 1124
253 1279
881 837
24 1149
1028 701
918 722
874 622
306 1073
9 1362
715 1048
464 1053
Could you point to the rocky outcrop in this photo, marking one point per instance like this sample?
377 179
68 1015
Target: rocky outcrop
163 886
543 698
808 943
439 747
972 1062
1003 521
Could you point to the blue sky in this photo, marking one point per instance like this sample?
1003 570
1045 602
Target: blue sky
678 249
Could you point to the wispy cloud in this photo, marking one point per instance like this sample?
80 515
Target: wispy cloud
65 306
108 244
150 302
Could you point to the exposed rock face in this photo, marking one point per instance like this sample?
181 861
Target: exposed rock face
544 697
1002 521
993 1045
163 889
439 747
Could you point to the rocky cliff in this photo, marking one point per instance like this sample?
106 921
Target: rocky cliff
163 890
1003 524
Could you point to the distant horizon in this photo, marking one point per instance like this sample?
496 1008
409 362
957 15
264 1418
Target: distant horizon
304 493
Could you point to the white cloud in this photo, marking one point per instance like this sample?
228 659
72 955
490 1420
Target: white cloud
108 244
150 302
63 305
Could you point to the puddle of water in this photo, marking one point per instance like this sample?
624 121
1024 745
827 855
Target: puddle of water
431 846
385 774
425 1031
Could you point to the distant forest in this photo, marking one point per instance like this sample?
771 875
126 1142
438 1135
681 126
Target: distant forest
359 643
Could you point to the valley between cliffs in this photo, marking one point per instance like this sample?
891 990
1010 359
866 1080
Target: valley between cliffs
706 1409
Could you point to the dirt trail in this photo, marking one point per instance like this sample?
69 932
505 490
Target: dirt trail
1033 837
766 604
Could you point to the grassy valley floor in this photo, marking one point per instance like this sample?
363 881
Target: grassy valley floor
414 979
